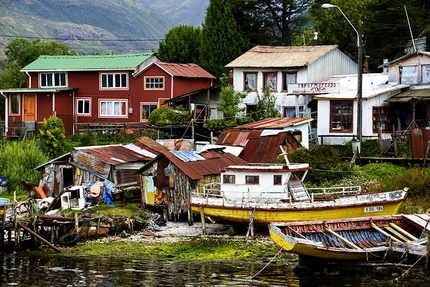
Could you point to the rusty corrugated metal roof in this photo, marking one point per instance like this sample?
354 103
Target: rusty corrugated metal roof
274 123
113 154
148 143
198 169
185 70
280 56
264 149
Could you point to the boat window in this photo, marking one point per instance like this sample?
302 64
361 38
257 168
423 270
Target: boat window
228 178
252 179
277 179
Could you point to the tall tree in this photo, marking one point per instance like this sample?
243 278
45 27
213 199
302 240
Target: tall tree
222 39
270 22
384 25
181 45
387 31
21 52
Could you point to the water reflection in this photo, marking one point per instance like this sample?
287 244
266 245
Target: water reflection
64 271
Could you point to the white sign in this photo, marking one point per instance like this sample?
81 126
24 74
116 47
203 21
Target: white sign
374 208
314 88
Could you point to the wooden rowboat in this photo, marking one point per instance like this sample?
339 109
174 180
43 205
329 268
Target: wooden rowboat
365 238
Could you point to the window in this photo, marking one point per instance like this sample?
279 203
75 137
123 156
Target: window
250 81
228 178
52 80
341 116
409 74
270 80
291 112
277 179
146 109
83 107
14 104
425 74
380 119
252 179
113 108
154 83
114 80
288 78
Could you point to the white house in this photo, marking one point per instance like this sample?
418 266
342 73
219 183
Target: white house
337 109
284 69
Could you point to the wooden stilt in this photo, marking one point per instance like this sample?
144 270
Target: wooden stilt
202 216
98 225
38 236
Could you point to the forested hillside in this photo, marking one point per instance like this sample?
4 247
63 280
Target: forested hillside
96 26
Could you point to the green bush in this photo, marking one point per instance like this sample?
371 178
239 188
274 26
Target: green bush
370 148
53 137
17 159
326 164
168 116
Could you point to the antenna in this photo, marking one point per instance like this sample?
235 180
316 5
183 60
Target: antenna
410 30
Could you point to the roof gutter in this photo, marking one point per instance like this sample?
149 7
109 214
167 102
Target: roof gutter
29 78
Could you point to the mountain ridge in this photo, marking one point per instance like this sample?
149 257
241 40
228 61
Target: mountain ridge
92 27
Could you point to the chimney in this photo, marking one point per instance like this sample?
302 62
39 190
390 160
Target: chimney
366 64
315 38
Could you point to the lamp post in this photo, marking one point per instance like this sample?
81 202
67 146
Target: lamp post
359 73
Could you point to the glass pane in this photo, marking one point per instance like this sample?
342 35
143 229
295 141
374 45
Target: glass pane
117 80
123 80
409 74
15 104
250 81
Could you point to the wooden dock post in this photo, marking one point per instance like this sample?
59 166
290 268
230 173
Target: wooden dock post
202 216
37 236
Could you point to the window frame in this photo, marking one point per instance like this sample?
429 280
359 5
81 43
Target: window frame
83 114
142 119
409 75
285 82
229 179
425 73
265 80
48 79
113 101
300 114
341 116
18 99
252 179
122 81
245 81
151 85
377 112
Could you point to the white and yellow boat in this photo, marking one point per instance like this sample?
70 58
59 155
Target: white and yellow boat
264 193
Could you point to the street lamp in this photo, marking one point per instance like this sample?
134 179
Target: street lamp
359 74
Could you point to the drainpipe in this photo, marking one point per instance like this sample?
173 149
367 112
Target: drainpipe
6 118
29 79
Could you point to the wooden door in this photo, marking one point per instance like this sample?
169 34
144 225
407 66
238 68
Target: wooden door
29 108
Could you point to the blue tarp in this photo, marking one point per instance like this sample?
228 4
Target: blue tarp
107 196
3 181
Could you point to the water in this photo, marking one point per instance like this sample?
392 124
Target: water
65 271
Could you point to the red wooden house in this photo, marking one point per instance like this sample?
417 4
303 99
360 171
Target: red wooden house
98 89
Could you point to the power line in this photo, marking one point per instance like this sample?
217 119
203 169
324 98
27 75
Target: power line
89 39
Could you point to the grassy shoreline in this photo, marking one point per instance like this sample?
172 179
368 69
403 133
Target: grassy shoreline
203 248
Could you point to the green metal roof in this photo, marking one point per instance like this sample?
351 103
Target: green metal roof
93 62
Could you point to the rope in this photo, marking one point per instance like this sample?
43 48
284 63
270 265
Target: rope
261 270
